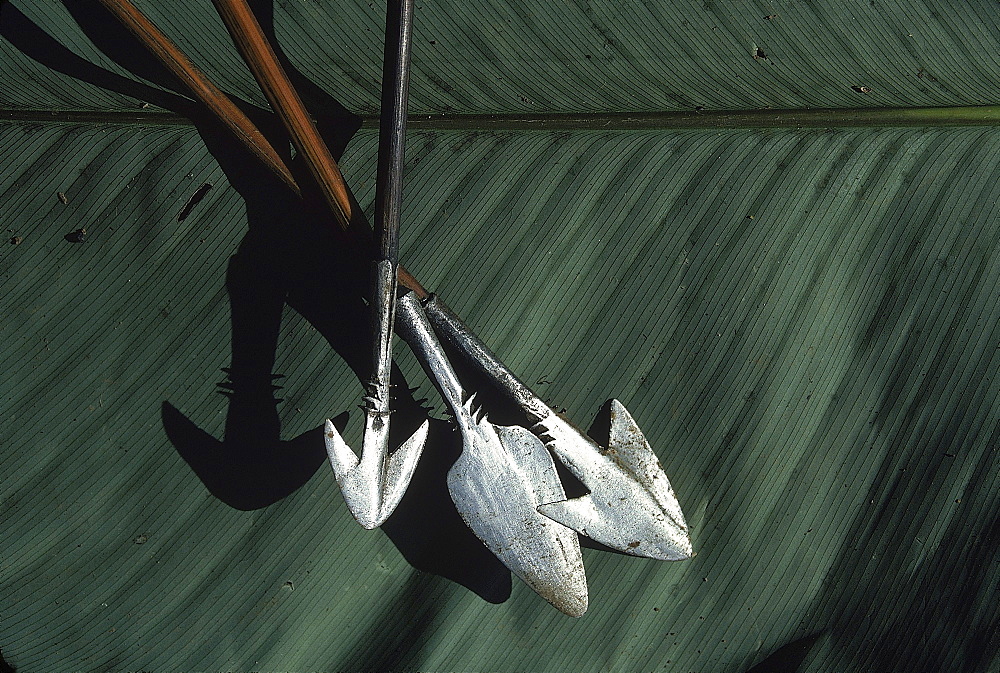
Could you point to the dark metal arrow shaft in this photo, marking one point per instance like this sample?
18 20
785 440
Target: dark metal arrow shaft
392 130
389 194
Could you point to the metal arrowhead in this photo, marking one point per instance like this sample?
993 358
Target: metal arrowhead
374 485
631 506
497 483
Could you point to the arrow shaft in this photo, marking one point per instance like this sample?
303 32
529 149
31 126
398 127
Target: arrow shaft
415 329
253 45
388 200
278 89
459 336
392 126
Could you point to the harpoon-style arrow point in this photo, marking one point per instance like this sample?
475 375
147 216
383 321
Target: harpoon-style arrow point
631 506
500 479
373 485
497 483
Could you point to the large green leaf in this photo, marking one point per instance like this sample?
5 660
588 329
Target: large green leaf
803 321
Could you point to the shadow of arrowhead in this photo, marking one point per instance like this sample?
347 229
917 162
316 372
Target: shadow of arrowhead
5 667
787 658
246 474
429 532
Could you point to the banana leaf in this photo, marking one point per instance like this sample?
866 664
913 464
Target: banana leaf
769 228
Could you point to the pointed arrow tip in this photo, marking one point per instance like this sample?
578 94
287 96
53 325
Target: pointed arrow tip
342 458
402 464
574 605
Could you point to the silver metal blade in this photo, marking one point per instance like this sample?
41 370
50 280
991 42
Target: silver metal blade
373 486
500 479
497 484
631 506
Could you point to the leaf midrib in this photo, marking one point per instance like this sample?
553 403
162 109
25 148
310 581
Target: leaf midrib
984 115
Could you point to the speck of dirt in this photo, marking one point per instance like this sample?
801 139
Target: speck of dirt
288 586
62 198
140 539
861 89
78 236
759 55
196 198
16 240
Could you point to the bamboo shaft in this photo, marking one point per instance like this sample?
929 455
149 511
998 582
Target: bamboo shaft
246 30
181 66
270 75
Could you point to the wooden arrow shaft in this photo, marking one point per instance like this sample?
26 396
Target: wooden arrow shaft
181 66
260 57
270 75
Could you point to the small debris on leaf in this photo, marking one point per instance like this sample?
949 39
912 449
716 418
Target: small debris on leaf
63 199
759 55
140 539
78 236
16 240
771 17
198 195
862 89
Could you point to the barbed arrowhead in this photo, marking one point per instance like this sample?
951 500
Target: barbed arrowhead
374 485
631 506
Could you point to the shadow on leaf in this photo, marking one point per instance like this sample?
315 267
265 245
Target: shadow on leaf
292 254
787 658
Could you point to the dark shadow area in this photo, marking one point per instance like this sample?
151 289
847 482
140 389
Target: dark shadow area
916 588
291 254
426 526
32 41
787 658
246 472
4 666
392 644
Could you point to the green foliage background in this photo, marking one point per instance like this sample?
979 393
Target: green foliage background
803 321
